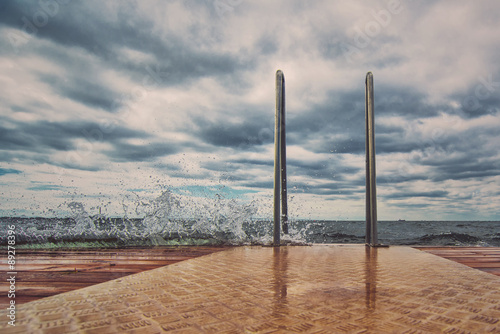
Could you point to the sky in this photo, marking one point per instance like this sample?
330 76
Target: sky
112 103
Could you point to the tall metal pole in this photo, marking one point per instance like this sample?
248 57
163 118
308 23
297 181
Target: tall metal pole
371 193
277 157
284 198
367 163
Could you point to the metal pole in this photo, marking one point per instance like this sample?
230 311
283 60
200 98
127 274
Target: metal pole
284 200
371 193
367 162
277 159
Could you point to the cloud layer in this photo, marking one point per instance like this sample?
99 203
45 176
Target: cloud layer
105 100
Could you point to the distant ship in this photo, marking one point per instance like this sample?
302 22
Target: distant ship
401 220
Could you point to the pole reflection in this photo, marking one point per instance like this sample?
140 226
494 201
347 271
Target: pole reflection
280 267
371 277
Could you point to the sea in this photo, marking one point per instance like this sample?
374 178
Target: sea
171 219
108 232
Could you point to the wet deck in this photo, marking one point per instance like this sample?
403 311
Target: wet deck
47 272
482 258
308 289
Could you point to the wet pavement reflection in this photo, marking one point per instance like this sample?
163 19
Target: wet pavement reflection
280 267
371 277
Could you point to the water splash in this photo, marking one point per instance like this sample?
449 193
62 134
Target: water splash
169 219
224 219
159 218
84 223
113 232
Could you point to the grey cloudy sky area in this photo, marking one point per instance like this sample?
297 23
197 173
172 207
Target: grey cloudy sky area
112 102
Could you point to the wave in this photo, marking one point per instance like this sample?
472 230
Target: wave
222 221
215 221
118 232
449 239
337 238
98 232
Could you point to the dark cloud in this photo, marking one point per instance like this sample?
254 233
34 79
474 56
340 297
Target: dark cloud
328 169
332 172
403 101
465 169
430 194
248 134
75 24
89 93
92 45
338 124
37 137
386 144
37 141
400 176
256 162
231 135
11 12
124 152
258 184
461 155
4 171
326 188
45 187
403 205
92 27
342 114
22 157
44 135
481 98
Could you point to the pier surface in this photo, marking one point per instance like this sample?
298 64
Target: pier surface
47 272
483 258
301 289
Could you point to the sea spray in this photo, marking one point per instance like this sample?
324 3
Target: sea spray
159 218
60 232
223 219
84 223
174 219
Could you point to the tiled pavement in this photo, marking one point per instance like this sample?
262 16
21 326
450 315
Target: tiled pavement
294 289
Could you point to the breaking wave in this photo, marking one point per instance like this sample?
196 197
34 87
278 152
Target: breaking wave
216 221
221 221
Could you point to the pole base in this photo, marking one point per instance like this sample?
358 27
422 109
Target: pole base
376 245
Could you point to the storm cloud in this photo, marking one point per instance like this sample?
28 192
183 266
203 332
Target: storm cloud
108 96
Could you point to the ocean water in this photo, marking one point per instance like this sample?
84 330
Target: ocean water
221 221
120 232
